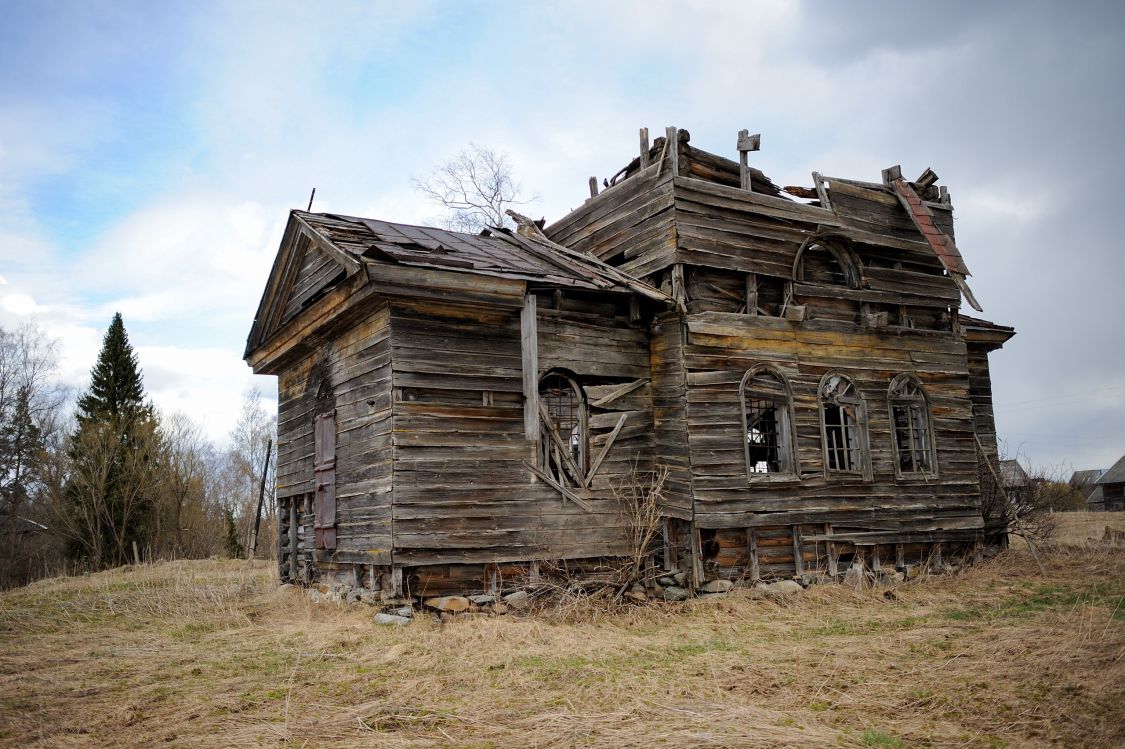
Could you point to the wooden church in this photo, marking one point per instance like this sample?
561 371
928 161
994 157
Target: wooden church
788 369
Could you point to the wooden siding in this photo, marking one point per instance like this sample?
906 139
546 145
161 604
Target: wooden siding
352 375
669 394
719 350
316 275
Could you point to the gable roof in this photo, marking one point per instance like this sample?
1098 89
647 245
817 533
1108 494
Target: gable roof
1115 474
1012 473
1085 480
366 245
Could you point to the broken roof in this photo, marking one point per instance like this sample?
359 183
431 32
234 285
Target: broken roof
496 252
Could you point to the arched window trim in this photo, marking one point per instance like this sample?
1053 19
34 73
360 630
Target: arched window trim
788 466
548 456
919 427
849 264
844 442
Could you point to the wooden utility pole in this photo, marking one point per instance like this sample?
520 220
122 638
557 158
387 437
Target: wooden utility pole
261 497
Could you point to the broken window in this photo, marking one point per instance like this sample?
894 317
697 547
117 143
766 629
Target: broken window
825 264
562 439
910 420
843 419
766 406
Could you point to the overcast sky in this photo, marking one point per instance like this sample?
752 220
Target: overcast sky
149 154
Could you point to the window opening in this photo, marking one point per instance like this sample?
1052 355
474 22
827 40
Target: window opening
766 420
910 419
841 414
563 405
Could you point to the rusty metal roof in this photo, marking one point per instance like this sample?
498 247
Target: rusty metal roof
496 252
943 245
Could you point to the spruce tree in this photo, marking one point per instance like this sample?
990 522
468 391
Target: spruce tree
113 454
117 390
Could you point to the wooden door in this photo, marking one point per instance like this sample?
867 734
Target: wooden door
324 468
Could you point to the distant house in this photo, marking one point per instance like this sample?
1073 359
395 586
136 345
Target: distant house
1112 486
1087 483
793 369
1016 481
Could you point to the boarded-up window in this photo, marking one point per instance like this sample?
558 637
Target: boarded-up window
843 421
324 471
562 441
766 410
913 434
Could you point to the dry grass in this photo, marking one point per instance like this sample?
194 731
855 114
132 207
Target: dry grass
212 654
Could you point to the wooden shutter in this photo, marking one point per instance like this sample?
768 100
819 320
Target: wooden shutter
324 468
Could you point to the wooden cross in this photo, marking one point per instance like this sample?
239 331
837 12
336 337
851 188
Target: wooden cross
746 144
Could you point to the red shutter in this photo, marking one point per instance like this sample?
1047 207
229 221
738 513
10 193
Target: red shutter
324 468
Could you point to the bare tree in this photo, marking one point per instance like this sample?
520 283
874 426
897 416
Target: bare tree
474 188
251 442
31 411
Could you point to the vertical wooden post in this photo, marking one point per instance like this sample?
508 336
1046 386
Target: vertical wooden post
798 552
533 572
752 542
593 187
876 562
696 575
673 145
679 289
293 521
396 581
833 568
900 557
746 144
644 148
937 556
261 497
669 550
751 293
529 345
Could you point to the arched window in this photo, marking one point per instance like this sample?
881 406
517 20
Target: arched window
843 425
562 438
826 263
913 432
767 423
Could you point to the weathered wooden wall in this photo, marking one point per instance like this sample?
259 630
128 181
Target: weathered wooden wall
722 347
462 494
351 375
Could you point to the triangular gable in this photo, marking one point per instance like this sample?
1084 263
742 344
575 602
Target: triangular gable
306 266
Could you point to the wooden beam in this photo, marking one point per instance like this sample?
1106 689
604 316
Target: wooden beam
567 493
529 346
605 451
564 449
818 182
615 394
752 544
644 148
593 187
798 552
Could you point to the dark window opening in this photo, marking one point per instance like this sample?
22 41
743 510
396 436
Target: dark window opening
766 408
761 437
910 420
843 419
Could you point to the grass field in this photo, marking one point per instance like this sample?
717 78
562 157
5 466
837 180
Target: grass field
213 654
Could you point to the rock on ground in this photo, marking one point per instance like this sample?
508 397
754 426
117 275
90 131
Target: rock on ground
392 620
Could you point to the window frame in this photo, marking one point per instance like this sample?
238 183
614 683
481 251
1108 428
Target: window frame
788 465
543 451
920 400
860 428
